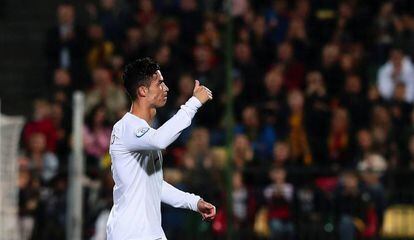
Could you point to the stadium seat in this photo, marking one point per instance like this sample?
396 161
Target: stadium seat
398 222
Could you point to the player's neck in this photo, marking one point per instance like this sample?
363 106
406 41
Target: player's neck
143 111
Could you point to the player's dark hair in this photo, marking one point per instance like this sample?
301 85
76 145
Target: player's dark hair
139 73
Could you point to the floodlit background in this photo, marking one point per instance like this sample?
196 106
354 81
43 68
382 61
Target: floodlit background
310 134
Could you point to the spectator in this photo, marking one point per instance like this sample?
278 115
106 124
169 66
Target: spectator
405 35
279 197
330 67
249 70
281 155
346 29
272 102
351 207
148 18
384 25
239 7
398 69
297 137
259 41
65 47
262 136
240 100
243 204
208 72
171 36
29 191
373 162
339 140
354 101
96 133
199 148
210 35
51 217
364 144
399 109
105 92
117 63
133 46
317 115
59 114
293 70
184 89
309 224
100 50
298 37
190 20
374 97
371 178
62 85
242 152
109 17
42 163
41 123
277 21
382 130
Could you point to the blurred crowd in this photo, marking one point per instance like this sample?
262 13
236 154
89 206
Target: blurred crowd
323 93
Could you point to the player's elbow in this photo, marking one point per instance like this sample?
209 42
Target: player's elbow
161 145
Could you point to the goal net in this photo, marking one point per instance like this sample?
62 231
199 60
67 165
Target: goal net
10 128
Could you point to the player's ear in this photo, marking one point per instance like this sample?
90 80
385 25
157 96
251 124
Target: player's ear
142 91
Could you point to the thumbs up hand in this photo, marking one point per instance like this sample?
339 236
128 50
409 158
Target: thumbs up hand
202 93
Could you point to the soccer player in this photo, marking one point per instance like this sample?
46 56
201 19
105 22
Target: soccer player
137 159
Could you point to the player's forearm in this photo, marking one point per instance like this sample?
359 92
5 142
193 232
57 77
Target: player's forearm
177 198
170 130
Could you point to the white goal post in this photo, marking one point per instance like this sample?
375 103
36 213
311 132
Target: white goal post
76 171
10 131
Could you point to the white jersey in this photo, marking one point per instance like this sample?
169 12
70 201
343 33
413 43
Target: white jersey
137 171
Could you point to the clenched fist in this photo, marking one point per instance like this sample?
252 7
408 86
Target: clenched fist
202 93
206 209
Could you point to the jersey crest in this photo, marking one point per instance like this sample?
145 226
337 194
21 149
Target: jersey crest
141 131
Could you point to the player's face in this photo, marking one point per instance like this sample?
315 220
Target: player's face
158 91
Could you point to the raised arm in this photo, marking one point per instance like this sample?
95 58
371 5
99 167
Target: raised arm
147 138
